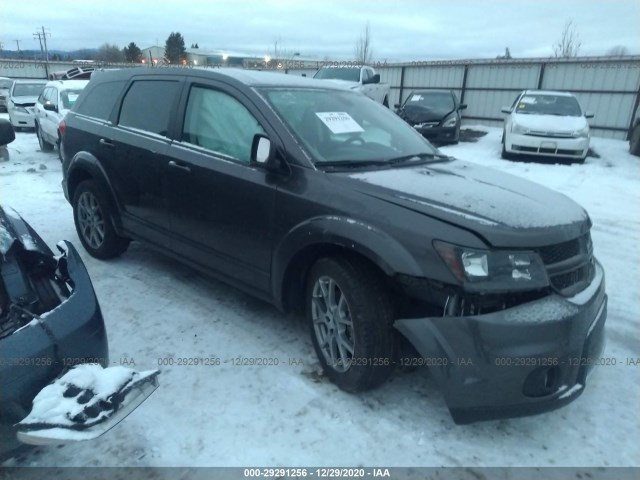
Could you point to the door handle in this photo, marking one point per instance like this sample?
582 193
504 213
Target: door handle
176 165
106 143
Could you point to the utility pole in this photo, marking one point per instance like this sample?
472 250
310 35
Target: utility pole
42 37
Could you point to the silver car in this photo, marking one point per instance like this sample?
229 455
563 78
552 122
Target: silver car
21 102
5 86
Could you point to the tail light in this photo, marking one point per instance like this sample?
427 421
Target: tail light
61 127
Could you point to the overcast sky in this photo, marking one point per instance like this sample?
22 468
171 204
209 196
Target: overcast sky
400 30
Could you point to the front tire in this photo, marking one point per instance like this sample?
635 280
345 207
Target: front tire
44 145
350 316
504 154
92 215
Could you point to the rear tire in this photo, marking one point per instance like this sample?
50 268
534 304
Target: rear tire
350 316
44 145
92 215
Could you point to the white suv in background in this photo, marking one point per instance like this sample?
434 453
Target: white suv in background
546 123
53 104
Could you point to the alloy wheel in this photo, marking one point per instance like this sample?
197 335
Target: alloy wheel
91 220
332 324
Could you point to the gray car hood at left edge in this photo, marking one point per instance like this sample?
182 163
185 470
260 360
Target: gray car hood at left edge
505 210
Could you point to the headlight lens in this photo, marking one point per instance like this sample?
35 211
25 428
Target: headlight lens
493 270
519 129
21 109
451 121
582 133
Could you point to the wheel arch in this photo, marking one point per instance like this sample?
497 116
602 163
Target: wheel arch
330 237
85 166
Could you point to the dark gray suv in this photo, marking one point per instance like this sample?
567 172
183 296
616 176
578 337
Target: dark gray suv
321 201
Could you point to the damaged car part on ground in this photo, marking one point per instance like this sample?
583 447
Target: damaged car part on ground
50 322
322 202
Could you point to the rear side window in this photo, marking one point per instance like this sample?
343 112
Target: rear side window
98 101
147 105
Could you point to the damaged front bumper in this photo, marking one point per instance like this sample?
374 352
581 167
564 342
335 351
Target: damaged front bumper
33 356
524 360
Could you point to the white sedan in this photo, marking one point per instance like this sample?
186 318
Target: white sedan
546 123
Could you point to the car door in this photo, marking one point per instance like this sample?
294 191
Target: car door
49 121
222 207
139 144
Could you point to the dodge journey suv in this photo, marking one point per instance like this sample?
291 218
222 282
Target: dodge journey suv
315 198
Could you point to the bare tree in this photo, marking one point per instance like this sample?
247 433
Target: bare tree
363 50
569 43
617 51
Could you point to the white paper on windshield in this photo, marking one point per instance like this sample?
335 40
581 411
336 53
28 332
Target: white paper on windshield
339 122
528 100
73 97
416 98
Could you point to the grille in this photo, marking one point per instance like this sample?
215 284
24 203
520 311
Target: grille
559 252
565 278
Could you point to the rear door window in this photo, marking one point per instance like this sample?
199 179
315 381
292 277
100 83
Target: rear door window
147 105
98 102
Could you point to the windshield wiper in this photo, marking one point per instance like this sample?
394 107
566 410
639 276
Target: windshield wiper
417 157
351 163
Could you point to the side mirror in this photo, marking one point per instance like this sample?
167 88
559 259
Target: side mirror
462 106
397 105
374 79
589 115
50 107
505 110
7 134
261 150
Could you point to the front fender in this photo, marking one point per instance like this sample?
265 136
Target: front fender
339 231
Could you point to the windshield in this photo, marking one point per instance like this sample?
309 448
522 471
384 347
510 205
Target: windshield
339 73
431 100
69 97
343 127
5 84
27 89
549 105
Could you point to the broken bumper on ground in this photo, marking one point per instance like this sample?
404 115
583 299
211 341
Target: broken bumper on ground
33 356
521 361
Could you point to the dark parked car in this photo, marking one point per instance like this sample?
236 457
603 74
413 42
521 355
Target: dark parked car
50 321
318 200
433 113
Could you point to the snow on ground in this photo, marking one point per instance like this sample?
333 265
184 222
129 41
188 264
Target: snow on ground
158 312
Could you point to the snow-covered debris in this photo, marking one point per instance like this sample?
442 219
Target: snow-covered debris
85 397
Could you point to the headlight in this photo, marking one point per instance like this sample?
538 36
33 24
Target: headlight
450 121
519 129
20 109
493 270
582 133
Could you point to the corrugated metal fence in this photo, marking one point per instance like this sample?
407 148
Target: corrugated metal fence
607 86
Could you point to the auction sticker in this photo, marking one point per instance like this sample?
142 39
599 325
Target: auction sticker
339 122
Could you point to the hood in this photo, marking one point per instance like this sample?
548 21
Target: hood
550 123
15 231
418 114
507 211
22 101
